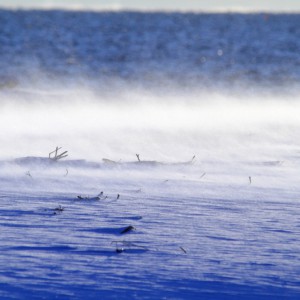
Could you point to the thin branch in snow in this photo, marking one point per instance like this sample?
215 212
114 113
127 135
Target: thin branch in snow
57 156
120 250
183 250
58 209
56 149
28 174
128 229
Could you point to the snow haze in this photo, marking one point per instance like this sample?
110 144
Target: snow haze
119 124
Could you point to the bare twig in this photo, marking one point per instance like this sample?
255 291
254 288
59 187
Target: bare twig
62 155
57 156
28 174
59 209
108 161
56 149
128 229
183 250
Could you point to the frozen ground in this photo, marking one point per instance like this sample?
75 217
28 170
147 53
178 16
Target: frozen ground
203 231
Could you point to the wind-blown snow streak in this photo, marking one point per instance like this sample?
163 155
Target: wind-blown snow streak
121 124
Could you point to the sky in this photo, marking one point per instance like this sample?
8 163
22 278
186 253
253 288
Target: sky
169 5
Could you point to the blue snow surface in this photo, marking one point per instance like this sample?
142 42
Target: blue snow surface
181 129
